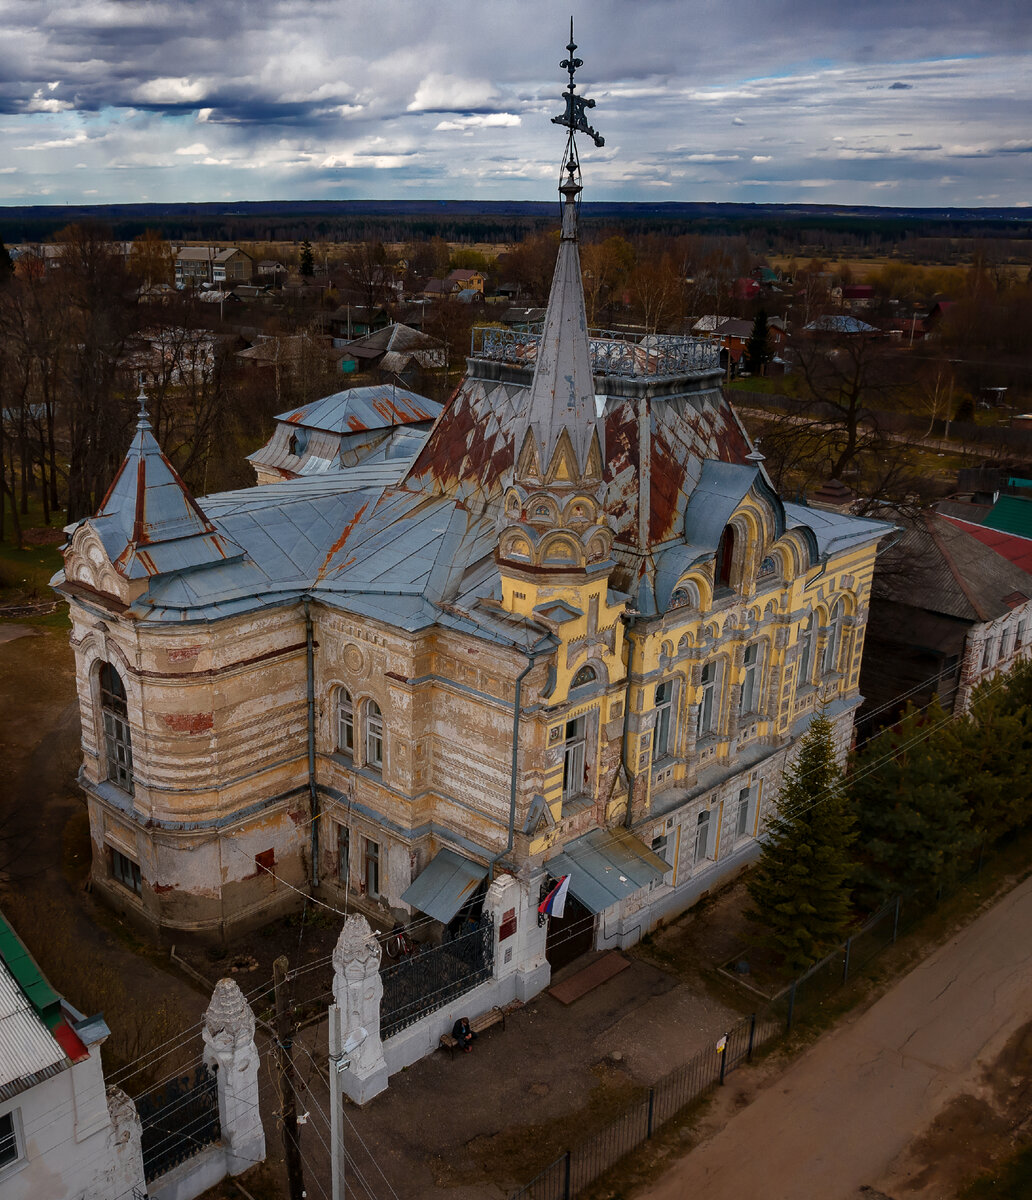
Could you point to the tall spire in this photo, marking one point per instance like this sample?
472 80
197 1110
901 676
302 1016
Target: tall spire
562 394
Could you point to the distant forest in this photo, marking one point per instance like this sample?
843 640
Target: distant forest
770 228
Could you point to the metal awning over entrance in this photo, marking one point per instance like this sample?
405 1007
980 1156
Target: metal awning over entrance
444 885
607 865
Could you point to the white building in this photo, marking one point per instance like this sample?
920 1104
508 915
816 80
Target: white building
62 1133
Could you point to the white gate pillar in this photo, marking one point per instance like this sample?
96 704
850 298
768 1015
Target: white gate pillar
228 1036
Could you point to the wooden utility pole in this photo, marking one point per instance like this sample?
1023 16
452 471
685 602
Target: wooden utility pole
285 1074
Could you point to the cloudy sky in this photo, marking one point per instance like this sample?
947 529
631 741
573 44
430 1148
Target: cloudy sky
908 102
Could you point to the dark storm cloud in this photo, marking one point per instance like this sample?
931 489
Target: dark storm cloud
302 95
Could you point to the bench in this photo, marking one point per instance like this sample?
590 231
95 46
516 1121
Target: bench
478 1025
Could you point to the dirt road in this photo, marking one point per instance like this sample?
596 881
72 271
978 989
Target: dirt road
859 1108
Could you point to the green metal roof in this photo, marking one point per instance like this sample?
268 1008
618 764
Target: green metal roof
27 974
1011 514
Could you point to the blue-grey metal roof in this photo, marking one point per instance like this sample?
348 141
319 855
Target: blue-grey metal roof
149 523
606 866
835 531
444 885
377 407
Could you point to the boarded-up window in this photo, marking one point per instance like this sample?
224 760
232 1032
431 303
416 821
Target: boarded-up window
265 863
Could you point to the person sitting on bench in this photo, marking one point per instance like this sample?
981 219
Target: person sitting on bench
463 1033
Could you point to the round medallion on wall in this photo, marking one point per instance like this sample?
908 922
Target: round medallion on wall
354 660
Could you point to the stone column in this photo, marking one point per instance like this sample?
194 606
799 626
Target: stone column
357 990
228 1036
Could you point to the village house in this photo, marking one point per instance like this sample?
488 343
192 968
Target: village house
951 608
62 1131
573 631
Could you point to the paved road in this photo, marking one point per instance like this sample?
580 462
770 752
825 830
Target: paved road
839 1116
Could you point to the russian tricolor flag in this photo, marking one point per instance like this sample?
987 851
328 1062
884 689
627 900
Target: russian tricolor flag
554 904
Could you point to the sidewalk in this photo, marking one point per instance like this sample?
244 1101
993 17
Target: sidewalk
859 1108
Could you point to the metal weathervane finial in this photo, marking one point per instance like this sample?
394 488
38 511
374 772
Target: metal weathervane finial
574 118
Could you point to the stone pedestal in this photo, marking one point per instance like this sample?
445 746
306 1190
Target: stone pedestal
228 1035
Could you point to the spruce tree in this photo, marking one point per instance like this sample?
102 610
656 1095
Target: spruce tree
990 749
757 350
800 887
307 259
914 823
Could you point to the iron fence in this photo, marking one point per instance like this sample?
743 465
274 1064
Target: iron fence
431 977
584 1163
613 352
179 1119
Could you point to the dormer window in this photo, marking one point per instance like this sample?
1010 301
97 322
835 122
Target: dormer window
541 510
725 557
680 598
294 445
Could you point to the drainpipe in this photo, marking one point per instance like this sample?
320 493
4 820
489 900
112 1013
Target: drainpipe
312 790
626 761
532 656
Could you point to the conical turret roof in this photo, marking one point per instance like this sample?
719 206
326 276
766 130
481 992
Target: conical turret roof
149 522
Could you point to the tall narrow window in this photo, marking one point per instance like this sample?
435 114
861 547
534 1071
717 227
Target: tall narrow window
742 813
343 853
806 642
751 678
664 707
374 735
372 867
725 557
834 642
702 837
114 708
987 654
574 760
345 722
708 700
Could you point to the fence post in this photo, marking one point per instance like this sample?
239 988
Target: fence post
566 1177
895 919
723 1059
845 964
791 1006
652 1105
752 1036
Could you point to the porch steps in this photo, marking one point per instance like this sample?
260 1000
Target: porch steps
597 973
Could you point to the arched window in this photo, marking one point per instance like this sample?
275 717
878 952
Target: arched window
373 735
725 557
114 708
834 642
584 676
345 722
680 598
769 565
